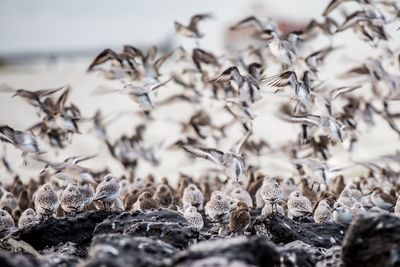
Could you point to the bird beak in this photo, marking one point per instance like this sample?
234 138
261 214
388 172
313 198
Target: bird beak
369 193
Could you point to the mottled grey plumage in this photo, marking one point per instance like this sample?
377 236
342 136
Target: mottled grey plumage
108 189
46 201
218 207
192 196
299 205
27 217
6 221
323 212
194 218
72 199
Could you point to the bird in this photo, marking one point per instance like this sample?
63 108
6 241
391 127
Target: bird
24 141
302 88
192 31
72 200
138 93
217 208
145 201
108 190
193 196
357 209
239 218
232 162
323 212
6 221
271 191
46 201
272 208
248 85
341 214
8 200
382 200
242 195
299 205
27 217
194 218
164 196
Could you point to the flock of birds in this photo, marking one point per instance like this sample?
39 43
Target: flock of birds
328 116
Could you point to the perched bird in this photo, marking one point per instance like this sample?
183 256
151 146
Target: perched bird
192 30
239 218
72 199
194 218
46 201
27 217
192 196
271 191
323 212
242 195
6 221
108 190
382 200
341 214
146 202
8 200
218 207
272 208
164 196
298 205
357 209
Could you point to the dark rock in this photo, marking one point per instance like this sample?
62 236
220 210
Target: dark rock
11 259
372 240
53 231
163 224
119 250
282 230
239 251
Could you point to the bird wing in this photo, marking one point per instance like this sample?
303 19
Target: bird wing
159 84
226 76
210 154
252 20
237 149
195 20
281 80
103 57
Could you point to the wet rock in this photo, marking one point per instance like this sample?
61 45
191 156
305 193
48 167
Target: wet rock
53 231
282 230
373 240
120 250
320 256
11 259
166 225
239 251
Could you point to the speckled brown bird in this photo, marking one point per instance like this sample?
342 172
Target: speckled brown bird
164 196
146 202
239 218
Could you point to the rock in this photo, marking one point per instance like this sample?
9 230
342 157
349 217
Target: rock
321 256
120 250
11 259
372 240
166 225
239 251
282 230
53 231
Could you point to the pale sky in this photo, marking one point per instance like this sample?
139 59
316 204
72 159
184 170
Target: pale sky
48 25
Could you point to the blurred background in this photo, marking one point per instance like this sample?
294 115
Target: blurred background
47 44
